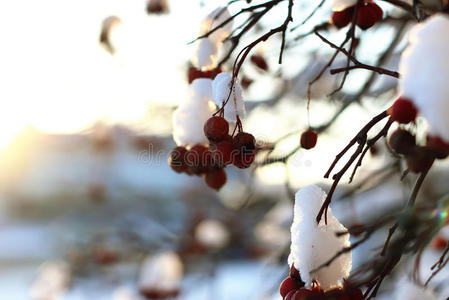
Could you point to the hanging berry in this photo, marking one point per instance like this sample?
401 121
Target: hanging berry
403 111
369 13
309 139
216 129
402 142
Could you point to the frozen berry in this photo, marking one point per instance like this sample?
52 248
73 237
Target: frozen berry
308 139
342 18
176 160
402 142
260 62
195 159
286 286
403 111
369 13
216 179
420 160
216 128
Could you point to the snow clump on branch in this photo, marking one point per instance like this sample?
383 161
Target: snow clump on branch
313 244
424 69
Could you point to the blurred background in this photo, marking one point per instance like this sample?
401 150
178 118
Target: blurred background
89 208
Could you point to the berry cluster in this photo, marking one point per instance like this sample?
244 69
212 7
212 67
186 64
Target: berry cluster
292 288
210 161
368 14
419 158
195 73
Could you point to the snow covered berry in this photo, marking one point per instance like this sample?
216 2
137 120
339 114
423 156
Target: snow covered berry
216 179
403 111
308 139
402 142
216 129
306 234
369 13
176 160
342 18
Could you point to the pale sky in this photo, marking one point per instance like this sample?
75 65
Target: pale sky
56 77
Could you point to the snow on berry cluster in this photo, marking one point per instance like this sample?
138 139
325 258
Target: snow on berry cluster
205 146
424 69
314 244
368 13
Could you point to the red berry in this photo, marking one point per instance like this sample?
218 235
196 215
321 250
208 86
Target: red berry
216 128
342 18
195 73
294 274
244 160
196 159
246 82
260 62
369 13
336 294
290 295
216 179
439 243
402 142
244 153
440 147
286 286
157 7
420 160
176 160
304 294
308 139
353 294
222 154
403 111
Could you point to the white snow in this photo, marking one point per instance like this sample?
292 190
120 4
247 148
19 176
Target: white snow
214 19
52 281
212 233
188 120
205 56
190 116
220 92
162 272
339 5
424 70
312 244
406 289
